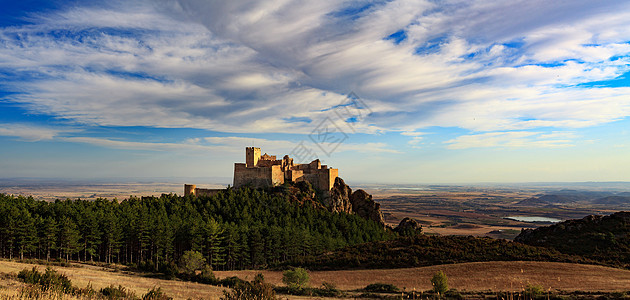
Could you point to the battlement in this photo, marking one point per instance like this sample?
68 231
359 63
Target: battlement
261 171
267 171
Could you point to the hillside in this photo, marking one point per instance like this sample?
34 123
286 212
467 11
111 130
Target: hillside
425 250
497 276
601 238
234 229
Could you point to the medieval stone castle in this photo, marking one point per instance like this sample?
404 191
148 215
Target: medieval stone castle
260 171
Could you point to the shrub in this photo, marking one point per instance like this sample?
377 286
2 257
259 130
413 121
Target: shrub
328 290
440 283
191 261
533 291
49 280
296 278
256 289
381 288
169 270
120 292
232 281
206 276
156 294
30 276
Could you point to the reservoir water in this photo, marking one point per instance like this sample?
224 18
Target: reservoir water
534 219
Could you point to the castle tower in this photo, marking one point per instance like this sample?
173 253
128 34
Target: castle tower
252 155
189 189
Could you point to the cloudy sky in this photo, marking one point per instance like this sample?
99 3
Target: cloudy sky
387 91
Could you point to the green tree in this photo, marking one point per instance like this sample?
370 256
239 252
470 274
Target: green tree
191 261
26 233
214 239
48 235
440 283
295 279
68 237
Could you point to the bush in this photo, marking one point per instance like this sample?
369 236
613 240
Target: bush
191 261
169 270
120 292
296 278
327 290
440 283
206 276
381 288
533 291
257 289
49 280
156 294
30 276
232 282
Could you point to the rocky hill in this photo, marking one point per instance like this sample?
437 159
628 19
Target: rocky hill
602 238
359 202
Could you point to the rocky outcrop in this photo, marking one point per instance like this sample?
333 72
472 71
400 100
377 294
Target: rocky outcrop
408 227
365 207
339 199
342 199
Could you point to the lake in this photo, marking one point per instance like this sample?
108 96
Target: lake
534 219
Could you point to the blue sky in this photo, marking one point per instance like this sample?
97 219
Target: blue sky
448 91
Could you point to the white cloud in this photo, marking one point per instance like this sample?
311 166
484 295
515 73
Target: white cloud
512 139
246 66
29 132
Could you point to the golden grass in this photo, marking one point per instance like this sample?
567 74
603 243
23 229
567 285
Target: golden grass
495 276
99 278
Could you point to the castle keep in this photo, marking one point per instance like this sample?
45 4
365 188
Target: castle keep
267 171
260 171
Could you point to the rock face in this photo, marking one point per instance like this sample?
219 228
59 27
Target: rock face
408 227
339 200
342 199
365 207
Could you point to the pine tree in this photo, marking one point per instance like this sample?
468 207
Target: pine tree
25 233
214 243
68 237
48 235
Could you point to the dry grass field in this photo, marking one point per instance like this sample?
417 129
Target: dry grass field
488 276
495 276
99 278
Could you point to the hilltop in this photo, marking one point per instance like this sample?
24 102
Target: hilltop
601 238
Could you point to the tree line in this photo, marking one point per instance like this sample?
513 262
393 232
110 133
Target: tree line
235 229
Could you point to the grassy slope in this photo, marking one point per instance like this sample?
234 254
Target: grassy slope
100 278
478 276
495 276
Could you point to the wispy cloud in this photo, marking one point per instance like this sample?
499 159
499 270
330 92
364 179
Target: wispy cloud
512 139
31 133
243 66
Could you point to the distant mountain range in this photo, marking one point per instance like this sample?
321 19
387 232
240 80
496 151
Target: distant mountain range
563 197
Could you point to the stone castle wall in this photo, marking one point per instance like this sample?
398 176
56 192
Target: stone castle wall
191 189
270 171
261 171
